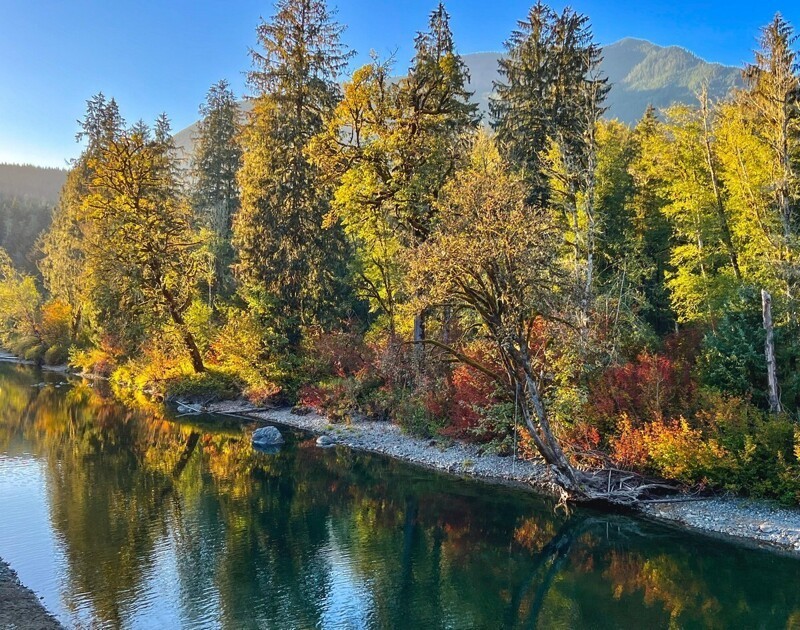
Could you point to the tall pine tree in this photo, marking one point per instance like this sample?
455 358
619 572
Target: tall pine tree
288 263
216 162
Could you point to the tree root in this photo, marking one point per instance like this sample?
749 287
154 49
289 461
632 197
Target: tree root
611 486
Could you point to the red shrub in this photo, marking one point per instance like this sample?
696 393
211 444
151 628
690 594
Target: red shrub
340 354
470 390
651 388
312 396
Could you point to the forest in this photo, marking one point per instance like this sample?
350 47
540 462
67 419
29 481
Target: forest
621 302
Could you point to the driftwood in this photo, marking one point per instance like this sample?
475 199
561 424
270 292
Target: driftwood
194 410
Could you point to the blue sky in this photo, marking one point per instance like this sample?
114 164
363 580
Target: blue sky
155 56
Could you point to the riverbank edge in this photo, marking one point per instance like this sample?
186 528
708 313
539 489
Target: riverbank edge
19 605
756 523
753 522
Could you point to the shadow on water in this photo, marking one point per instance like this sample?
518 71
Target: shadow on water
160 523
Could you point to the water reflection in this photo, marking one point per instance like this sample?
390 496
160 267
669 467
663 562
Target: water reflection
162 524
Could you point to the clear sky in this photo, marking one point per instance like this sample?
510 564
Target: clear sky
155 56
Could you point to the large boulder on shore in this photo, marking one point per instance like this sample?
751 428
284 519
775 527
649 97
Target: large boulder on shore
267 437
325 441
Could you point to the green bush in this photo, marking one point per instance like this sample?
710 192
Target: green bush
760 449
496 428
413 417
56 355
212 383
26 347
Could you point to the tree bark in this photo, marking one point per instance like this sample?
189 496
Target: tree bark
769 353
186 334
419 344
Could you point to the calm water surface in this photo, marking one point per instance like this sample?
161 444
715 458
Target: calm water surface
127 519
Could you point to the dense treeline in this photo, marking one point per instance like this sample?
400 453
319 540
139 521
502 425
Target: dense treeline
628 296
22 220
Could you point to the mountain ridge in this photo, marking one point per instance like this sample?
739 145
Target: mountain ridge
640 72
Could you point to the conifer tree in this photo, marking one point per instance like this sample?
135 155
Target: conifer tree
550 92
286 259
774 98
215 164
652 230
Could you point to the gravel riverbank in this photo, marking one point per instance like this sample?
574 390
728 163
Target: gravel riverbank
19 606
757 522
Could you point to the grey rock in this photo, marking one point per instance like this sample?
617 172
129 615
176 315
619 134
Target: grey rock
325 441
266 437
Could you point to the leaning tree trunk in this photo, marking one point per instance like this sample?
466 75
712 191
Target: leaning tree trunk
609 485
769 353
186 335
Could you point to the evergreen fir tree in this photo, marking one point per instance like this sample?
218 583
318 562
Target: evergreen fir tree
215 164
287 261
550 92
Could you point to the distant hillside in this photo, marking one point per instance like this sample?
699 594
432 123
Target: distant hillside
27 196
34 182
640 73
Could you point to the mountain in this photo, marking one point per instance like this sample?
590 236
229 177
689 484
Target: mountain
27 196
640 73
33 182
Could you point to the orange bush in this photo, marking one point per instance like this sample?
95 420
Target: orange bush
56 319
672 449
628 447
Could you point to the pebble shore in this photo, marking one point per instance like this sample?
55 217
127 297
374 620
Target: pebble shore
19 607
761 522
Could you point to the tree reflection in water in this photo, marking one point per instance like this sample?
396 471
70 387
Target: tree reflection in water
153 514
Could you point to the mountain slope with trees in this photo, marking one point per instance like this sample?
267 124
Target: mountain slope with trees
27 196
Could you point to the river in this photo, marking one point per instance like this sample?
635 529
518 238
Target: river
129 518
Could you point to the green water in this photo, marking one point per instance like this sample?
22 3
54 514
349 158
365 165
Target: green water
126 519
